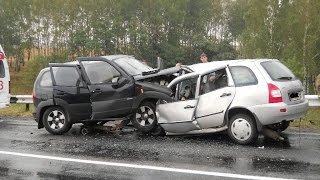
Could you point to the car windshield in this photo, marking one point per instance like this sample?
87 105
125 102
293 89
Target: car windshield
277 71
132 66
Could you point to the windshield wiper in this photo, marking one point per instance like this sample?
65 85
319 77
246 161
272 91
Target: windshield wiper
284 78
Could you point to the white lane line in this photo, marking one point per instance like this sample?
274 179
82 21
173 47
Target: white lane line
187 171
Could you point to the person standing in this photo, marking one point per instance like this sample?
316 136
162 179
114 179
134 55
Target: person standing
204 58
208 80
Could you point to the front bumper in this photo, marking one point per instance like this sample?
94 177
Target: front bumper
270 113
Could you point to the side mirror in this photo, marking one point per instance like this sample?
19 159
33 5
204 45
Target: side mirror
118 82
115 79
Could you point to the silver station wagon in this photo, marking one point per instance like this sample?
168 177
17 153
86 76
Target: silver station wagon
240 96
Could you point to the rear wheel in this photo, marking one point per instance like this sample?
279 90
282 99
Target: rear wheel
242 129
144 117
56 121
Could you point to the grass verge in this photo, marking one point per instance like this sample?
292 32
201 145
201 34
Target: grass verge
17 110
312 119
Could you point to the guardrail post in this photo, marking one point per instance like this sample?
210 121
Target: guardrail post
27 107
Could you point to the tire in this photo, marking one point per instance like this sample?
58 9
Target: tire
242 129
157 131
86 130
56 121
144 117
279 126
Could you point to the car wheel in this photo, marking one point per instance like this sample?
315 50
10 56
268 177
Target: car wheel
144 117
157 131
279 126
242 129
86 130
56 121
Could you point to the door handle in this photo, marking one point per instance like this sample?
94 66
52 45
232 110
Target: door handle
189 107
225 94
97 91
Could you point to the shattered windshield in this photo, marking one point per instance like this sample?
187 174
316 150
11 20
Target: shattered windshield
132 66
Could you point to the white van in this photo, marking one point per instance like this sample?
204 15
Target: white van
4 80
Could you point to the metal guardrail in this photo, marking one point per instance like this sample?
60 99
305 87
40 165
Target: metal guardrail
22 99
314 100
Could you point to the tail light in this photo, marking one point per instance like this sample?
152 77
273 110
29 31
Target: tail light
274 94
1 56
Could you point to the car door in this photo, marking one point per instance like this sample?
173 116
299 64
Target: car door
70 91
213 103
182 110
111 90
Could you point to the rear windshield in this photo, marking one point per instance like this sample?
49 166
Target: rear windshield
2 73
277 71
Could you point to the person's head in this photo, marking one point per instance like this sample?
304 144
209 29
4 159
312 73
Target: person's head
203 58
178 65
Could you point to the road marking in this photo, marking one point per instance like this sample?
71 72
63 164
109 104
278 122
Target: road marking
136 166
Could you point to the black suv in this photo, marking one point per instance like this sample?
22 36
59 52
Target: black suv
98 89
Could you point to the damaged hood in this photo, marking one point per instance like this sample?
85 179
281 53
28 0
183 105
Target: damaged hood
164 72
147 86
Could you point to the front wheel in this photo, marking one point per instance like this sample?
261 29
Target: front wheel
242 129
56 121
144 117
157 131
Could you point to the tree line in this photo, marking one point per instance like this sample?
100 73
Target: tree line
176 31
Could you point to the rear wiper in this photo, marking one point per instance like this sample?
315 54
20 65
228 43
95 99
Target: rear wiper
153 71
284 78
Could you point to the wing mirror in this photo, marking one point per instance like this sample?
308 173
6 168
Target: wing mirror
118 81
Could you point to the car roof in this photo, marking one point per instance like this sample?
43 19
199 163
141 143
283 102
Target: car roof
205 68
109 57
202 68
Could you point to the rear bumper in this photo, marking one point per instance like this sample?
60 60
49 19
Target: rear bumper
270 113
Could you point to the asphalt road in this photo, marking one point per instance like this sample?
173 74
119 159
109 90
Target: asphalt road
29 153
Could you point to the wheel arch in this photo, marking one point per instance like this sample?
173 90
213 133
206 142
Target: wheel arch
242 110
151 96
40 109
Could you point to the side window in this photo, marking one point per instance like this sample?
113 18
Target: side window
100 72
2 73
46 80
243 76
214 80
186 89
66 76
